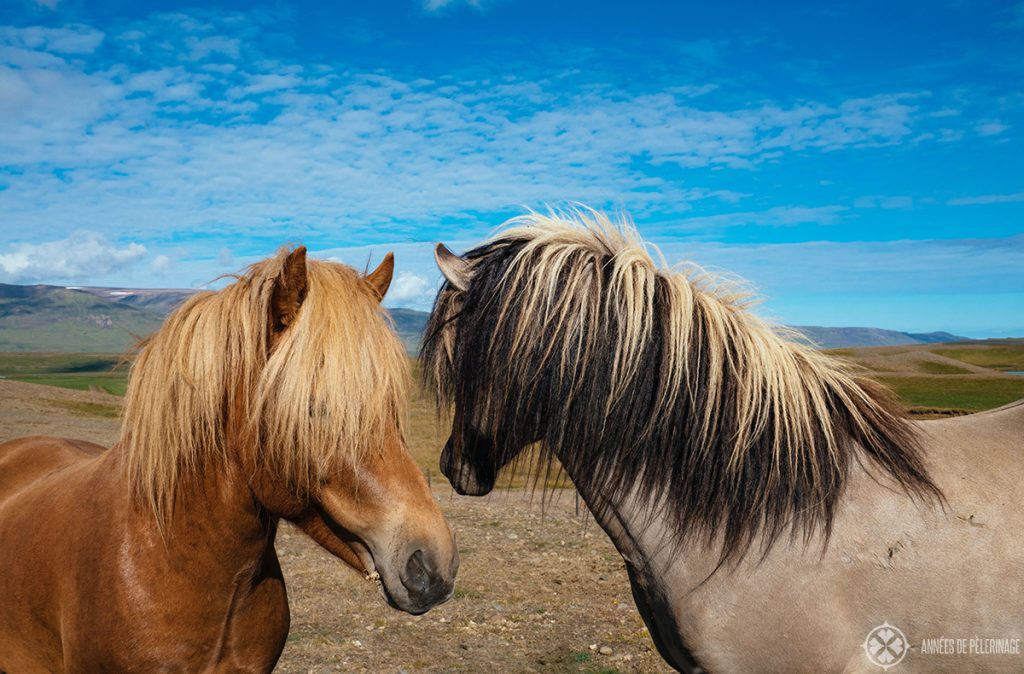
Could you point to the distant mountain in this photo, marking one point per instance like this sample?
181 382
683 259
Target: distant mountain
158 300
107 320
935 337
87 319
839 338
50 318
410 324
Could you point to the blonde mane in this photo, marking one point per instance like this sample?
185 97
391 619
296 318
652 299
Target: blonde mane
657 378
331 389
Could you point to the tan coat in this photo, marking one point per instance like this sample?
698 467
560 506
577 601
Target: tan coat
957 574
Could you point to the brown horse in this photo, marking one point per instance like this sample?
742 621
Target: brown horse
277 397
775 511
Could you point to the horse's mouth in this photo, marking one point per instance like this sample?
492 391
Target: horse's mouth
361 552
370 572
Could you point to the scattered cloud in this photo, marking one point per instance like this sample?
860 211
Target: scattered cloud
885 202
440 5
410 289
82 256
985 199
48 4
185 141
160 264
781 216
991 128
70 39
866 267
189 124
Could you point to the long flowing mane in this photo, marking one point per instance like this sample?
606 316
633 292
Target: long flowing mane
334 386
657 383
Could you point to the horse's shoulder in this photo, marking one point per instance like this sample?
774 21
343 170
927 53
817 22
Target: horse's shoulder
26 459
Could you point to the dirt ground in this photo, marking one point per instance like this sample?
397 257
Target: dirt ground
539 589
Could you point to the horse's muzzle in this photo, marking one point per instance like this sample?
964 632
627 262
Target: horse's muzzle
426 582
464 477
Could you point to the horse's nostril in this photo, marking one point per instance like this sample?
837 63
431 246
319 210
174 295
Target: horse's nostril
417 574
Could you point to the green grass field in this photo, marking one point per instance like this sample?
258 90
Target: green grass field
942 368
943 388
947 395
82 371
998 354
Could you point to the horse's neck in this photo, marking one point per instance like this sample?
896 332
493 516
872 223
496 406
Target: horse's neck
643 539
215 523
657 570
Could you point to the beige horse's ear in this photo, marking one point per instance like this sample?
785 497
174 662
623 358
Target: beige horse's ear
289 290
453 267
380 278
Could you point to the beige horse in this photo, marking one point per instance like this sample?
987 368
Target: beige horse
775 511
277 397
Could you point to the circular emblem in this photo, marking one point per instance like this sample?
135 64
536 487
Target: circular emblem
886 646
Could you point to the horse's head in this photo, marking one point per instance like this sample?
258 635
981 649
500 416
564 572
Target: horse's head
330 455
648 384
493 420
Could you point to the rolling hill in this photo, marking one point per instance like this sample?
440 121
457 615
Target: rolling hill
51 318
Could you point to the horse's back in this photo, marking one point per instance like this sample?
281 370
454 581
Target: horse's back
25 460
42 481
978 462
994 436
1006 419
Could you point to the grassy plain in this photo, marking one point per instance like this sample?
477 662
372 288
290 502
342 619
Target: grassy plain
931 380
81 371
944 379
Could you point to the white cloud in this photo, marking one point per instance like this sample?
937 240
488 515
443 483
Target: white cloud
986 199
70 39
991 128
160 264
438 5
869 266
409 289
82 256
299 151
878 201
203 47
781 216
48 4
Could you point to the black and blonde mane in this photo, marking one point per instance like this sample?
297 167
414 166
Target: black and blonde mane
656 384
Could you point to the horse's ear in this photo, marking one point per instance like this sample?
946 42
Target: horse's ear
380 278
453 267
289 290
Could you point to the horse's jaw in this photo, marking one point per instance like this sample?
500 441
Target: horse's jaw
412 573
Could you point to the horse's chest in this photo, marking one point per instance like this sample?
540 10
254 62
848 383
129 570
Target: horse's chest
187 630
654 608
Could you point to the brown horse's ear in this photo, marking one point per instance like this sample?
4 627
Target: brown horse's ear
453 267
289 290
380 278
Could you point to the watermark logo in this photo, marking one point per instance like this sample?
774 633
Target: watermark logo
886 646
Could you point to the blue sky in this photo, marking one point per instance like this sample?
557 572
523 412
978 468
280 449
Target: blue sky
859 163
